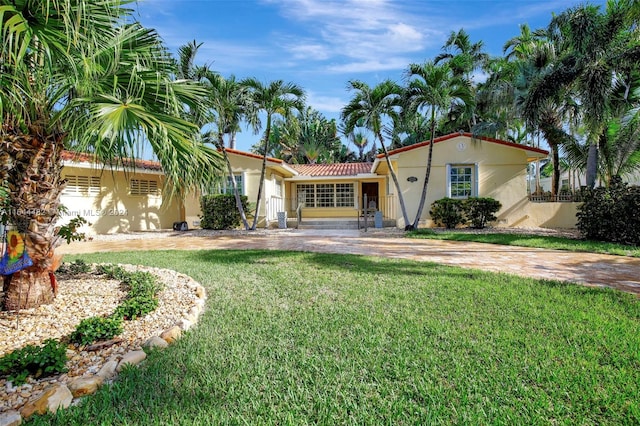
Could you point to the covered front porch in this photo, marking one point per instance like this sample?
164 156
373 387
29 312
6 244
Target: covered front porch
333 196
298 213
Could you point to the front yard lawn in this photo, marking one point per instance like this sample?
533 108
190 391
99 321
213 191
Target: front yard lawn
306 338
523 240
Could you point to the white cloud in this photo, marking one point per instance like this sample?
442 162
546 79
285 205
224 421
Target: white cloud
372 65
326 104
308 50
350 33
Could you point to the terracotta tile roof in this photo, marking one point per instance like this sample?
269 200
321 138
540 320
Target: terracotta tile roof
469 135
337 169
82 157
252 155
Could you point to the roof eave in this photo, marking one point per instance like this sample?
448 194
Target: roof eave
360 176
96 166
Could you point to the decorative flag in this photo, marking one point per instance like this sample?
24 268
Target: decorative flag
16 257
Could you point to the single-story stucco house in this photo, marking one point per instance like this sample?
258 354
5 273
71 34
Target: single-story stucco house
130 200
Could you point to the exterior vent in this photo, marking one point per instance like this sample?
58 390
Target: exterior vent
143 187
82 185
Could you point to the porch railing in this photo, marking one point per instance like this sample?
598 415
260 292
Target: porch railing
275 205
562 197
385 204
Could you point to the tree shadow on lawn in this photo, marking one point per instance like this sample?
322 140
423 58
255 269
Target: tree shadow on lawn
376 267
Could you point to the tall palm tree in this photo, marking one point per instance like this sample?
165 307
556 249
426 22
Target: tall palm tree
435 88
229 102
525 45
368 108
78 72
275 98
549 117
464 58
598 49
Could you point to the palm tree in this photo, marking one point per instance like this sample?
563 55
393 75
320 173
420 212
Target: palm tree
309 137
276 98
434 87
78 72
524 46
463 58
229 102
599 48
368 108
549 117
360 140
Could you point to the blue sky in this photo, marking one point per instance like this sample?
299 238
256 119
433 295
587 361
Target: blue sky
321 45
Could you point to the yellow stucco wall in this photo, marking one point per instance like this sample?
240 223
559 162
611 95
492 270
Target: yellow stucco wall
192 210
114 210
501 175
544 215
250 168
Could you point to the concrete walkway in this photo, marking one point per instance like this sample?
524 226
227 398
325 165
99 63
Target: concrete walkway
597 270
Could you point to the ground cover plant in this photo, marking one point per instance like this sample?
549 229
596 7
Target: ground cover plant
539 241
307 338
142 298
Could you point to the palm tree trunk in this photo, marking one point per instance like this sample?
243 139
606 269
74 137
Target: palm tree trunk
397 184
236 193
423 196
592 165
31 165
262 173
555 180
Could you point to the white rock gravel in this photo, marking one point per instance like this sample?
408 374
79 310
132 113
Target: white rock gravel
86 296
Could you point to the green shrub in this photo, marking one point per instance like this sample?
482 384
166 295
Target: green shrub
480 211
96 328
112 271
142 289
34 360
611 214
220 211
76 267
448 212
141 283
135 307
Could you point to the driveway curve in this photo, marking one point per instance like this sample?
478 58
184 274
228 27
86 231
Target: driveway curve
596 270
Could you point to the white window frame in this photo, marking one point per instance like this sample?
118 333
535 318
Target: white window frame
279 188
227 188
309 191
474 179
316 195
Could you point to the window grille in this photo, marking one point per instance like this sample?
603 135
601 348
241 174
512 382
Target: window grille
461 181
327 194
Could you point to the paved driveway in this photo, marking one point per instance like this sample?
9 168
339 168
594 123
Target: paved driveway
589 269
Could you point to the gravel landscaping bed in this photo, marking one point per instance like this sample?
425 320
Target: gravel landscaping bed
80 297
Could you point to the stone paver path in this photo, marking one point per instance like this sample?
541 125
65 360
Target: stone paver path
598 270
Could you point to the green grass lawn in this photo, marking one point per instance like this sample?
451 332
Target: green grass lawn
305 338
548 242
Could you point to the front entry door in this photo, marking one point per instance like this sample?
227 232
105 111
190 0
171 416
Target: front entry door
371 189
